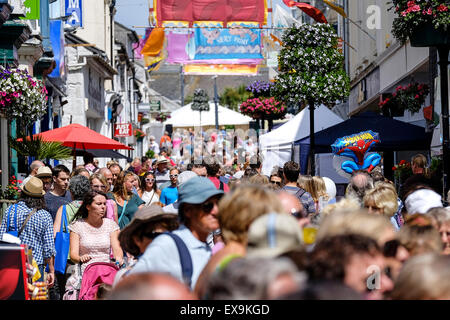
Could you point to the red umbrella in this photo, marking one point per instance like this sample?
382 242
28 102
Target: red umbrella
76 136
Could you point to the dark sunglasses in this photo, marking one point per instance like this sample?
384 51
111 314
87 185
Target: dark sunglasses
207 206
298 214
173 176
276 182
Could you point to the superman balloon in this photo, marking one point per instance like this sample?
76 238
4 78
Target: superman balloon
356 147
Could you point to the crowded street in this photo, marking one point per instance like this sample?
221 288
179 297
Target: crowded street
224 150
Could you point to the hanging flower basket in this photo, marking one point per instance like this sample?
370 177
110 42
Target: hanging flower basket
410 97
162 116
260 108
425 23
22 96
139 134
12 191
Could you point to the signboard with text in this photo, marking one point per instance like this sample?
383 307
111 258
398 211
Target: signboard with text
123 130
74 9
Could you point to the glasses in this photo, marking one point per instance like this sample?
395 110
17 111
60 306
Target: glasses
208 206
276 182
173 176
149 180
298 214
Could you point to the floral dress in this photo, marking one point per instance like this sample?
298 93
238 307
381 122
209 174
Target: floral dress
94 241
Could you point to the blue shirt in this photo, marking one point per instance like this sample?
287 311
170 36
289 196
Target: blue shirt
54 202
169 195
162 255
37 234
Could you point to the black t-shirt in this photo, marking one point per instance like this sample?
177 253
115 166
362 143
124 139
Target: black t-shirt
54 202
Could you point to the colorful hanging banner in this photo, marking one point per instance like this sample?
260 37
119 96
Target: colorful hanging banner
212 41
210 10
154 44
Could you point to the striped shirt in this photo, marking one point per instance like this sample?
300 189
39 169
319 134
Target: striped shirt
37 234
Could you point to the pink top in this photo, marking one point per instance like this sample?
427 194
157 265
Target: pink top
94 241
109 209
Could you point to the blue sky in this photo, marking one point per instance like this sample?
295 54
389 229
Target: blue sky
132 13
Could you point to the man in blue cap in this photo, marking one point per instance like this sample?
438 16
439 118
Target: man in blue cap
198 209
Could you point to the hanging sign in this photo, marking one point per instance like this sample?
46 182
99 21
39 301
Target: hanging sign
123 130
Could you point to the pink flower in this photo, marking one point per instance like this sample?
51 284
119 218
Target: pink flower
415 8
411 4
417 96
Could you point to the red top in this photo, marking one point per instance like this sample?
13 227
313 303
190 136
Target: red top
216 182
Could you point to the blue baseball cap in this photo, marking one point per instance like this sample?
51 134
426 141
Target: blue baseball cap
197 190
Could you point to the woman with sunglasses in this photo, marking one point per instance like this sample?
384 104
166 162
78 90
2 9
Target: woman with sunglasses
99 183
149 191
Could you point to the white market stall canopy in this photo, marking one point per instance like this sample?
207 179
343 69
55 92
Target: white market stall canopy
298 128
186 117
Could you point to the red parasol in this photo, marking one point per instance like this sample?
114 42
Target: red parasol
76 136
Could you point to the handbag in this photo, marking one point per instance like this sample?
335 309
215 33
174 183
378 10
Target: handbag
62 243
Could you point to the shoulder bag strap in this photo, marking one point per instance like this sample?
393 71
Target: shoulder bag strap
8 217
185 258
64 221
123 210
25 222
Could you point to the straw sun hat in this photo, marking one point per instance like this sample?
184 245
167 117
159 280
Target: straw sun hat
34 188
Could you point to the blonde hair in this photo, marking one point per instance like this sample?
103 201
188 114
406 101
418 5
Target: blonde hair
239 208
355 222
303 180
420 161
100 177
119 187
384 197
423 277
320 187
345 204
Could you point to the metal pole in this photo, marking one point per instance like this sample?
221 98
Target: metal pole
443 66
216 100
312 142
182 86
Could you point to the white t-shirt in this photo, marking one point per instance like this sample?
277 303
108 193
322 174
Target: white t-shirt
150 197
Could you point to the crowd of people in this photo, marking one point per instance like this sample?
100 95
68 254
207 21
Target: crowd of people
211 230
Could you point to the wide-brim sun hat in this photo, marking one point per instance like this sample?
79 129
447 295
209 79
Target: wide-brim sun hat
147 214
161 159
44 172
197 190
34 188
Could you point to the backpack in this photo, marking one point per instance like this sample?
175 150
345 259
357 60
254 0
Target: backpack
300 192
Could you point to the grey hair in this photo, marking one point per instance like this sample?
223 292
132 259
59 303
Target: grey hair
359 184
440 215
79 185
250 278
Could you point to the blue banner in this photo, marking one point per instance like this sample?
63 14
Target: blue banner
74 9
239 41
57 41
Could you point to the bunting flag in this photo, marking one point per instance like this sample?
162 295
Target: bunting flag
154 43
311 11
140 45
153 63
335 7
